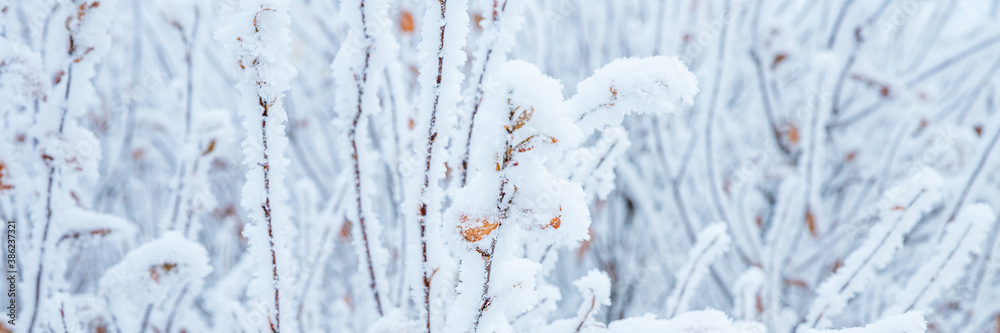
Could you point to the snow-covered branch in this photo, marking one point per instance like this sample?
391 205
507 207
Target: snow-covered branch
257 37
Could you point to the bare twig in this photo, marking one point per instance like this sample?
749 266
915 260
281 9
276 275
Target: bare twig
352 137
593 303
432 133
499 8
959 56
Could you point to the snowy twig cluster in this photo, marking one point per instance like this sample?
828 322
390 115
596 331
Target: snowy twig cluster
501 165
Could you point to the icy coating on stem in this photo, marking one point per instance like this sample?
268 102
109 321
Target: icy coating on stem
358 71
657 85
258 36
443 32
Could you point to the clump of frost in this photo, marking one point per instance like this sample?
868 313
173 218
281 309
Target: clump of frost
712 243
596 290
21 81
658 84
152 273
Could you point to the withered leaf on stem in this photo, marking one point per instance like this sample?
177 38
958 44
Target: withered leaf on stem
476 230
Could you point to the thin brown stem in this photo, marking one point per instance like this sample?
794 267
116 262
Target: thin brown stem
593 304
477 99
352 136
488 265
48 210
266 207
503 207
432 133
62 315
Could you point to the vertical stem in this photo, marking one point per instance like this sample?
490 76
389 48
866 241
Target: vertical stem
48 208
352 136
266 78
276 326
503 207
186 142
477 99
432 133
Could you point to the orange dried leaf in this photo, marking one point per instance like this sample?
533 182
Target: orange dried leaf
811 222
209 149
406 21
58 77
554 223
477 19
524 145
81 11
523 118
793 134
345 230
2 185
476 230
778 59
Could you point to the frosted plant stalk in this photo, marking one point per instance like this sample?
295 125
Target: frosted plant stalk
358 71
713 242
445 25
916 198
257 37
962 240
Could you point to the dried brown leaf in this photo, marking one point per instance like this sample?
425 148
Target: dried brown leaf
474 231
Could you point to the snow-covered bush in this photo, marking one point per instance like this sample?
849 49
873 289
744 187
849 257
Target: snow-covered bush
501 165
